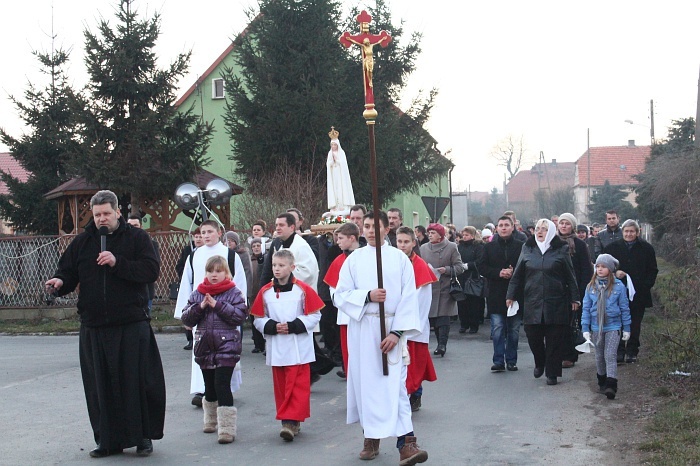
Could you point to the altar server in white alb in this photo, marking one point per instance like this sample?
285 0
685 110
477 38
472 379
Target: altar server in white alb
378 402
286 310
193 275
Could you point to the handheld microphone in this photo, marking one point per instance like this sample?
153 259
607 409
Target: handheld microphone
103 238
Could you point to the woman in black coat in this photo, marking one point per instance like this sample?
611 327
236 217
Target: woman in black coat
546 275
583 271
638 259
471 310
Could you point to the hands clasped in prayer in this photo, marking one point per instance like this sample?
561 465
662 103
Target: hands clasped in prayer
208 301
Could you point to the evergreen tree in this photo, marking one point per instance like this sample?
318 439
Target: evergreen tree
610 197
294 80
43 150
134 140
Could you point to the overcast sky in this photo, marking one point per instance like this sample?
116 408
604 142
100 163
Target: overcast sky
546 70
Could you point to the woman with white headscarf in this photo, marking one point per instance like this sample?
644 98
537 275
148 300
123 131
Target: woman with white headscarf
546 275
340 194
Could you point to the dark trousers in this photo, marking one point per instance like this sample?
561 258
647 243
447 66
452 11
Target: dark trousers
632 347
471 312
217 385
546 343
331 331
258 338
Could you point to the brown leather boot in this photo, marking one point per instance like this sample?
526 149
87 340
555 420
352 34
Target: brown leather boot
370 450
411 454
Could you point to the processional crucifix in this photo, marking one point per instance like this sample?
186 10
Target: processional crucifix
367 41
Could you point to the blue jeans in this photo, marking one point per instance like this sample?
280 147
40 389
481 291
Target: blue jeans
505 331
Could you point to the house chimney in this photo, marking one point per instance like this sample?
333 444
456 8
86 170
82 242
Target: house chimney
554 161
630 143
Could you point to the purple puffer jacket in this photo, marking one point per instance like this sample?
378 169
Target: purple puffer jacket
217 341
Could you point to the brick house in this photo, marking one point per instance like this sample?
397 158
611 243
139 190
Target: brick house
542 177
615 164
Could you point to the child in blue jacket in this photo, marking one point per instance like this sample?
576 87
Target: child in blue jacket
605 310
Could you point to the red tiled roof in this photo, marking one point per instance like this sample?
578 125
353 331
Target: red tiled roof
554 175
11 166
616 164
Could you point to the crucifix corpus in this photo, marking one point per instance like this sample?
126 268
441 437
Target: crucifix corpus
367 41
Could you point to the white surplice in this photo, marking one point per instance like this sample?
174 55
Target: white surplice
292 349
425 299
378 402
305 263
188 284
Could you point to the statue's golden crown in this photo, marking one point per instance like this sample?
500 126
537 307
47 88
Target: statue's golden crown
333 133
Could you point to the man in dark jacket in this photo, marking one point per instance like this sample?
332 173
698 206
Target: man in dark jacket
638 260
612 231
497 263
119 359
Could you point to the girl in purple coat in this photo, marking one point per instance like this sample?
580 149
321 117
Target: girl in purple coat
217 308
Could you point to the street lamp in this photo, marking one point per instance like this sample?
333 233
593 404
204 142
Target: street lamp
190 196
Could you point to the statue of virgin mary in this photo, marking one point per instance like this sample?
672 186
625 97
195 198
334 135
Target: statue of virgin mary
340 194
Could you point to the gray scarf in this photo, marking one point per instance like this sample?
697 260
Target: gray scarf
601 284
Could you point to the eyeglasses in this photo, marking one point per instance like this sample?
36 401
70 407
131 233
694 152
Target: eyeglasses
541 229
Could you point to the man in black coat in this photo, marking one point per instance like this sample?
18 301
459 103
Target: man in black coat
638 260
119 359
497 263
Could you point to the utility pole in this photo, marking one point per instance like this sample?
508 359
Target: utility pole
697 117
588 186
651 130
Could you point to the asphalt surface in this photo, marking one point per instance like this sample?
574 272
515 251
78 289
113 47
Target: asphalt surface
469 416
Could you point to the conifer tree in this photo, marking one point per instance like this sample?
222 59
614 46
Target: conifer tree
43 150
134 141
610 197
294 80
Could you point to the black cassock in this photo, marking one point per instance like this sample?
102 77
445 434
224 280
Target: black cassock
124 384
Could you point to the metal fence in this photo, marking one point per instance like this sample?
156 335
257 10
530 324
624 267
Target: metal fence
27 262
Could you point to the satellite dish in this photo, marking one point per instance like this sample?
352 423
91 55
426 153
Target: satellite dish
218 191
187 196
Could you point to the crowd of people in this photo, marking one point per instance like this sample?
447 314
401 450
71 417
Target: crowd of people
557 278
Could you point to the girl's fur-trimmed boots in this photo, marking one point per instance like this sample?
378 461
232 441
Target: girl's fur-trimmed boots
227 423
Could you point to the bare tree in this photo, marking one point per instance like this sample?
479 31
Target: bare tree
283 187
510 153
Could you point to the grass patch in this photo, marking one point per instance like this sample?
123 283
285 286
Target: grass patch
671 334
160 317
44 325
674 433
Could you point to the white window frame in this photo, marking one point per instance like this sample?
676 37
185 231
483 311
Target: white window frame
213 88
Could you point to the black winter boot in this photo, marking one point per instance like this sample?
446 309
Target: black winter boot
601 382
610 388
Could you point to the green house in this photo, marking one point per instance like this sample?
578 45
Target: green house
207 96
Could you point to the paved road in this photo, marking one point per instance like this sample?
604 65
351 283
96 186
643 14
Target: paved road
469 416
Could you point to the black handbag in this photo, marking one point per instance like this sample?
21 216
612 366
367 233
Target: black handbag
456 290
577 334
474 286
